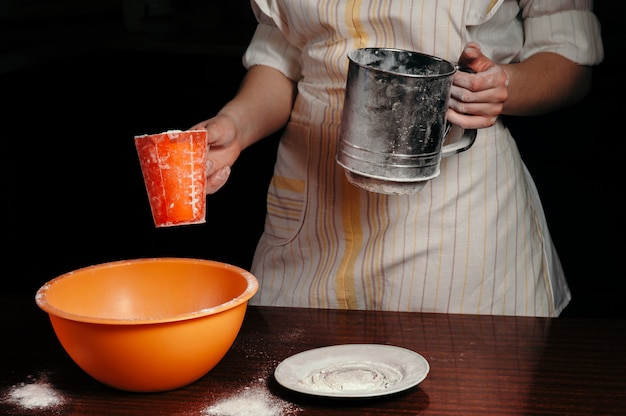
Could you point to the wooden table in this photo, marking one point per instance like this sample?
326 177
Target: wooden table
480 365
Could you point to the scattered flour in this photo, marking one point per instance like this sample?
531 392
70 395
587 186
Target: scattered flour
257 400
38 394
251 402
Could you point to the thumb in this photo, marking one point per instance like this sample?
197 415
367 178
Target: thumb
473 58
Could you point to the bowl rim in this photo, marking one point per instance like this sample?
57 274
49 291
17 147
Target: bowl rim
251 289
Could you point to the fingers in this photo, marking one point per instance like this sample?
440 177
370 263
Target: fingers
217 180
199 126
494 77
216 177
473 58
470 121
477 99
220 130
488 100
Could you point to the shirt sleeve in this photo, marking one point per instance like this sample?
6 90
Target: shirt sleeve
566 27
270 47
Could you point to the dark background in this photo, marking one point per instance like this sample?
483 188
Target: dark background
79 79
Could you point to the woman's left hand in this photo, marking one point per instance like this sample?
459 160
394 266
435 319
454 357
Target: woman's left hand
477 98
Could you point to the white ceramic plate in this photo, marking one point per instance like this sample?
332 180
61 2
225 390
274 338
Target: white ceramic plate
352 370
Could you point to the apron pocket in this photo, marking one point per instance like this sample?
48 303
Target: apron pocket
286 197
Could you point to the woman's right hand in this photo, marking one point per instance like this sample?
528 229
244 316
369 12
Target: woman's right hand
261 107
222 152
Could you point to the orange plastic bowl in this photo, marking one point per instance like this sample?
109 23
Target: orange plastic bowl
148 325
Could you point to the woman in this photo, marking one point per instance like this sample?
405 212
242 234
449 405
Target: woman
474 239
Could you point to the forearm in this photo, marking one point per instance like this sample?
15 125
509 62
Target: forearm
262 105
545 82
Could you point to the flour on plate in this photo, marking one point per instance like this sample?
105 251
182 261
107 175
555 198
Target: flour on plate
352 376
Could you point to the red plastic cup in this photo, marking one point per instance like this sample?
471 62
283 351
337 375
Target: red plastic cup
173 165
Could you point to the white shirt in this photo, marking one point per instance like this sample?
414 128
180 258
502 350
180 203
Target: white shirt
475 239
